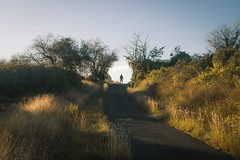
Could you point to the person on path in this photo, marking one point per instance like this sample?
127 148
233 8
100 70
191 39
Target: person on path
121 79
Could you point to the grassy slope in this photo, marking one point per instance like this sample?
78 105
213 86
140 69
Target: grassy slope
69 126
208 111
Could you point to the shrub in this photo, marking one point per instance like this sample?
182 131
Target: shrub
196 101
221 57
28 80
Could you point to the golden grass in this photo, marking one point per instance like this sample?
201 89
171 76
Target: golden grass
36 131
40 103
225 132
61 127
210 113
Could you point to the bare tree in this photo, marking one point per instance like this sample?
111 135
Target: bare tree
140 59
41 50
225 37
136 50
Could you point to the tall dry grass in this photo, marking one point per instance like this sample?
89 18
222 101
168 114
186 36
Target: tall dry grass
118 146
61 127
38 130
208 112
210 125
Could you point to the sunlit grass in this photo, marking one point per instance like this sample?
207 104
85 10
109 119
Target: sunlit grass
34 132
225 132
62 127
41 103
210 113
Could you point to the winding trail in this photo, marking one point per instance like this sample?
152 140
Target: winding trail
152 139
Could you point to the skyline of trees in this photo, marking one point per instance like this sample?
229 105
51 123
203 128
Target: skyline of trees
89 58
92 58
225 41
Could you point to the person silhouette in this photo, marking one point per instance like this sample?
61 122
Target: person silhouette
121 79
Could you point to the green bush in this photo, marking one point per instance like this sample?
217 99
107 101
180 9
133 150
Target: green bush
225 76
234 61
221 57
198 98
27 80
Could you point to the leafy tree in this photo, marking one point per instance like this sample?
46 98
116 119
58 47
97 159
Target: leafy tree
99 58
67 53
56 51
178 55
90 58
140 59
226 42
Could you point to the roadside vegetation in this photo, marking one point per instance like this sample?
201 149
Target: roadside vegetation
66 126
198 94
51 103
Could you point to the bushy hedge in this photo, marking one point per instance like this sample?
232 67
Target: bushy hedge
203 102
28 80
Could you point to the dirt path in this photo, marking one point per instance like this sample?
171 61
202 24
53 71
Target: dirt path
152 139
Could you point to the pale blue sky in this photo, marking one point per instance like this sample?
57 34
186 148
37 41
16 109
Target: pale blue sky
167 22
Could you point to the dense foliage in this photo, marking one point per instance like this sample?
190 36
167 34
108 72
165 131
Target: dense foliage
200 94
98 59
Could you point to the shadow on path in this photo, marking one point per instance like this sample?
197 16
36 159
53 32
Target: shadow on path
152 139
